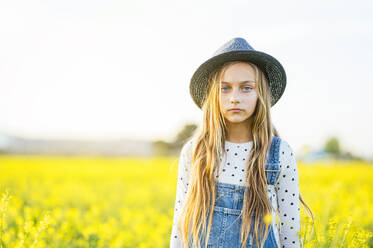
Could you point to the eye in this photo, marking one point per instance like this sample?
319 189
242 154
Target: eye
224 88
248 87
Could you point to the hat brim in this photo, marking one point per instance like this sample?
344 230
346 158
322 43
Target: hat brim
270 66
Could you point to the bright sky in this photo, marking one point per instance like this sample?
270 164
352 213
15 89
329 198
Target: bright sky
121 69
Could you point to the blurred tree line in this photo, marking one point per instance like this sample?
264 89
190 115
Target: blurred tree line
332 147
173 148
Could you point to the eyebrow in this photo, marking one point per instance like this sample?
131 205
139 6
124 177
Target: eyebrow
242 82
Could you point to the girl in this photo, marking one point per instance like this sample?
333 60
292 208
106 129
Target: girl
237 165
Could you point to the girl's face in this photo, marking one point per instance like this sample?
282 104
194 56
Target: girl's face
238 90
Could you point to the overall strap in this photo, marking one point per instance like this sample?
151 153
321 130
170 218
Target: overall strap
272 167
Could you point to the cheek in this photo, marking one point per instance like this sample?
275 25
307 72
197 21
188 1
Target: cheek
223 100
253 97
251 100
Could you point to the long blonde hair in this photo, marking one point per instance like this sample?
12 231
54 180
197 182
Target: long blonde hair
207 151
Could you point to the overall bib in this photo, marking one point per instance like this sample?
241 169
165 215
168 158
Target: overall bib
226 222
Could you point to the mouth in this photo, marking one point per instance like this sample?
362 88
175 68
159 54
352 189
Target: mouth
235 110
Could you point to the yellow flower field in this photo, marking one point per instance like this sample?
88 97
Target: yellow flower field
128 202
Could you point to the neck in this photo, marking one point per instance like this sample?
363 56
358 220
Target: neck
239 132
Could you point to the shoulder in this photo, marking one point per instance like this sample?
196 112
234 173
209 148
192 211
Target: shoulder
188 144
287 163
283 146
186 150
286 155
185 157
286 149
287 159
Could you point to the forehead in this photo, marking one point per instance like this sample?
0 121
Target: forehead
239 73
239 82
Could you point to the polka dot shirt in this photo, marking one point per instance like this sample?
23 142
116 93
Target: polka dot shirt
285 192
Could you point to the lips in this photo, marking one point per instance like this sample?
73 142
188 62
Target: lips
235 109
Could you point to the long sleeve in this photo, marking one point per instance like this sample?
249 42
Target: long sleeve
287 189
181 191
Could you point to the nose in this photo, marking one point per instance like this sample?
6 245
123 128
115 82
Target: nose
235 97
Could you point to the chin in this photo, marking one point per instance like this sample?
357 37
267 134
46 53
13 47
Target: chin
236 120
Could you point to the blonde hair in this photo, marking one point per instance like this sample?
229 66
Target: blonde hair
206 153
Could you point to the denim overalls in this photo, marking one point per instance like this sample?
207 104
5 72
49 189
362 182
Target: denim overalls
226 222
